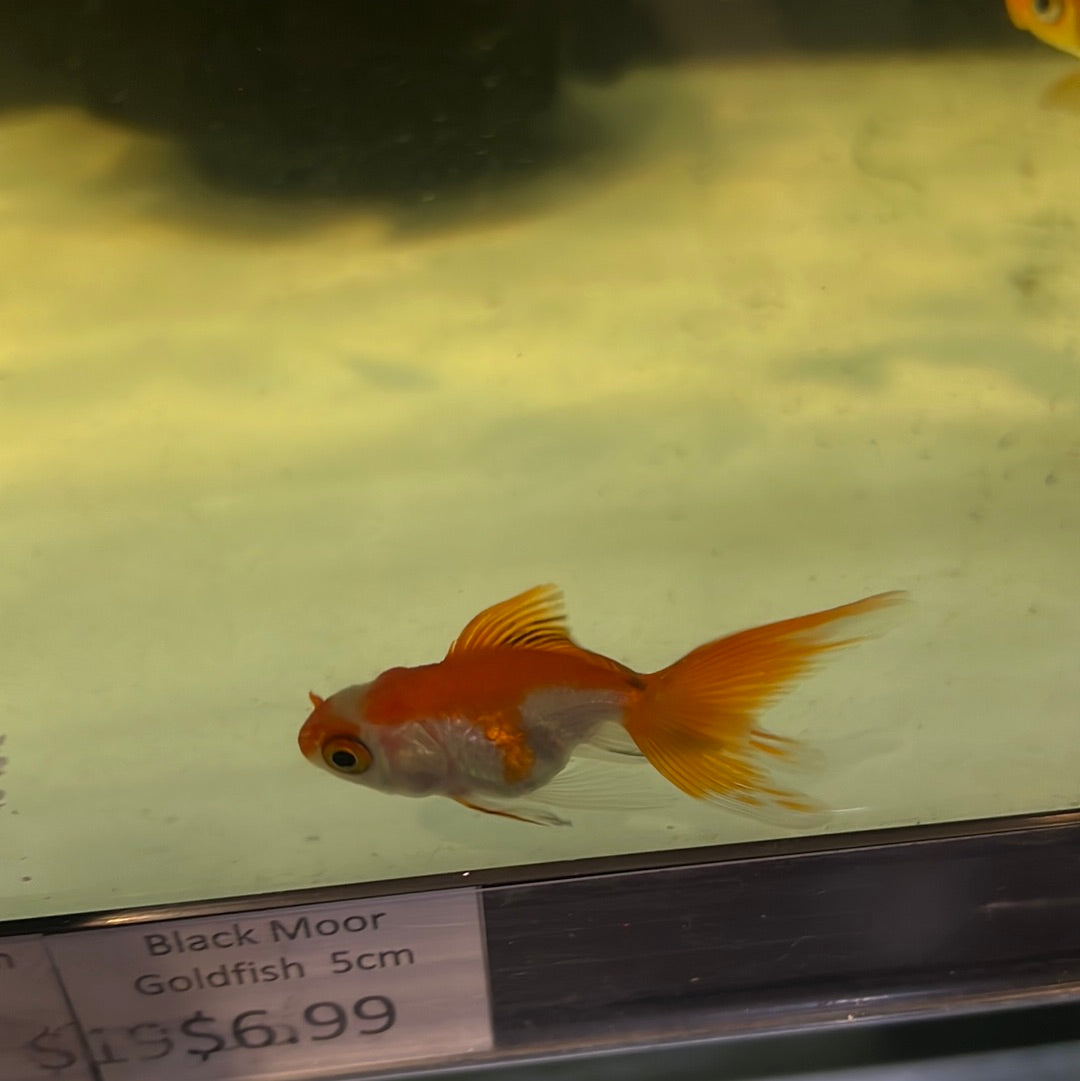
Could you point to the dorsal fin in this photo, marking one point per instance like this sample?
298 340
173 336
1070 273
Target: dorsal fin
532 620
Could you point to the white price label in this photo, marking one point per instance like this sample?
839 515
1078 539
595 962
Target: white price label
290 992
38 1036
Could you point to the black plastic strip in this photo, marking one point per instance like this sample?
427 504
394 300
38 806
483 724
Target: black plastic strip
809 939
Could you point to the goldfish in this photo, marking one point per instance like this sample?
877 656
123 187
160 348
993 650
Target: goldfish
1056 22
500 722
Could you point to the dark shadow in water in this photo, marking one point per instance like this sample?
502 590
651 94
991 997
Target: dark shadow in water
569 142
325 98
403 101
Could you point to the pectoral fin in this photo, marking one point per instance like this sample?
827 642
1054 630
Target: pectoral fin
520 809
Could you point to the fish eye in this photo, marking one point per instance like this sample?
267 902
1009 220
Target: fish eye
1047 11
345 755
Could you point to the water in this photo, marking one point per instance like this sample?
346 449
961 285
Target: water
773 330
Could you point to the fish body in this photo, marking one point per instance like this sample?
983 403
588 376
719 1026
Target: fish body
496 723
1055 22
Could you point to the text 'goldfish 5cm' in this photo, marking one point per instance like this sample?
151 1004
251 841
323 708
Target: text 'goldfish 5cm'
494 725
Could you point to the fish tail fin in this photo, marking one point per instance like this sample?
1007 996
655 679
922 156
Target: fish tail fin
696 720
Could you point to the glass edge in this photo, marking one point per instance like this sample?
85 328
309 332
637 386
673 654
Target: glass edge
773 848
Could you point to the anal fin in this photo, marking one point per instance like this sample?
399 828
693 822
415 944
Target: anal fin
611 743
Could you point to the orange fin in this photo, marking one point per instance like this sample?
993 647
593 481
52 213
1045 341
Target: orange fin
534 619
696 720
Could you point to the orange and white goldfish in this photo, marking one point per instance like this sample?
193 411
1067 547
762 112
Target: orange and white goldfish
495 723
1057 22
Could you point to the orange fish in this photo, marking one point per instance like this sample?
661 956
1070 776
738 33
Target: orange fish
1054 21
495 723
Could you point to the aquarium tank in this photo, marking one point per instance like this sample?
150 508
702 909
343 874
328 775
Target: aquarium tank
325 327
